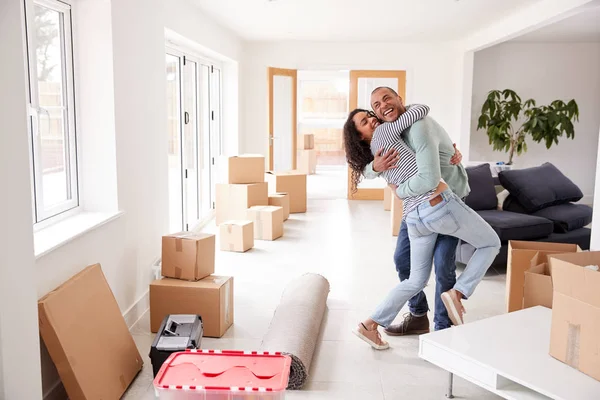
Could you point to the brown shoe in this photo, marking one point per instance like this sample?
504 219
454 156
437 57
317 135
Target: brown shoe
410 326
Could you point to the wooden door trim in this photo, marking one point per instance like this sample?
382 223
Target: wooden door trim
271 73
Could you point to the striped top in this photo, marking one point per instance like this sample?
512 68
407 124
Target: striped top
388 136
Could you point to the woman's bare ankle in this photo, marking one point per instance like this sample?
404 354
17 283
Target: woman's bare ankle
370 324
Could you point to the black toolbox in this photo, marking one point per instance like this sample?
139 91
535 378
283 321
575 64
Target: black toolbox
177 332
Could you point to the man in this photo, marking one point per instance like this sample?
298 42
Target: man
388 107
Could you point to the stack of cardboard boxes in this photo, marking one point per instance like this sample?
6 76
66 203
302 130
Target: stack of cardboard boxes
188 286
567 280
307 154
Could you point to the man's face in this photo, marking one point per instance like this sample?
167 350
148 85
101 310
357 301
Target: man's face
387 105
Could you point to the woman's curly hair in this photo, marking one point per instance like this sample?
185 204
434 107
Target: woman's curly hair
358 151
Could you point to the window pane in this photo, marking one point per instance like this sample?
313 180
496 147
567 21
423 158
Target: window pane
53 141
327 99
174 134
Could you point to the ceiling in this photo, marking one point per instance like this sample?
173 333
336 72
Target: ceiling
358 20
582 27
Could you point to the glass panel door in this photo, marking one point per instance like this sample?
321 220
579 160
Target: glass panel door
173 64
191 148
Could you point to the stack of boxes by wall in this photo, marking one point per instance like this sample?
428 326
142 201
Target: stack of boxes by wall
307 154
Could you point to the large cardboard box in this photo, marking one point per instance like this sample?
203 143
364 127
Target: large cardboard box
306 141
237 236
268 222
211 298
87 337
233 200
188 255
307 161
574 334
396 216
387 198
537 289
520 254
292 183
281 200
245 168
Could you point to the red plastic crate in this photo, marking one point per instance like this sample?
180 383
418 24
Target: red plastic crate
223 375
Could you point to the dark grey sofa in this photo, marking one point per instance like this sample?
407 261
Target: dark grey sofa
539 208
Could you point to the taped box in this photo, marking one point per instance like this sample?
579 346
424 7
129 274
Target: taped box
396 216
232 200
307 161
537 289
268 222
187 255
245 168
211 298
306 141
237 236
293 183
574 337
281 200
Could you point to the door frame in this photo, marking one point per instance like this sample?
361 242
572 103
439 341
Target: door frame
293 73
370 193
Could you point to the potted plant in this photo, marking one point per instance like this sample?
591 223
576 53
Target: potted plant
545 123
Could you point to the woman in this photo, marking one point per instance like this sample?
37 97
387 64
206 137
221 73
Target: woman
438 211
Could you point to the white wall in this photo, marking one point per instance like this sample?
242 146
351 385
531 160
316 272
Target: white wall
544 72
19 340
433 73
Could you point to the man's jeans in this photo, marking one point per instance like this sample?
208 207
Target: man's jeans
450 216
444 260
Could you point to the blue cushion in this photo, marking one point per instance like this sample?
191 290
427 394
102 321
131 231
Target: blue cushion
483 191
540 187
567 217
513 226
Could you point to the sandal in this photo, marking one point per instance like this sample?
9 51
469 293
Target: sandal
372 337
453 306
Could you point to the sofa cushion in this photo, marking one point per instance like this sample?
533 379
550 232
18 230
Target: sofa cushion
511 203
567 217
483 191
513 226
540 187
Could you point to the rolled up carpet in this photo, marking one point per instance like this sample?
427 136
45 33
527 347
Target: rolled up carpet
296 324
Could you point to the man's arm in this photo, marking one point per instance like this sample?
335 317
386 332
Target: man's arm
428 164
369 172
393 130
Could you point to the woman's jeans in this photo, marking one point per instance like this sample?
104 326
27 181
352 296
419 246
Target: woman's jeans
448 217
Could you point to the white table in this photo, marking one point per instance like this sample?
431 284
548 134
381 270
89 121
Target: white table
508 355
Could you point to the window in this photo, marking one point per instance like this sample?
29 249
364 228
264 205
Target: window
51 108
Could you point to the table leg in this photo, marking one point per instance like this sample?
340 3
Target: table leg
450 382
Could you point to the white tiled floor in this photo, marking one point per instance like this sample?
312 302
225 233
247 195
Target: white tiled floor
351 245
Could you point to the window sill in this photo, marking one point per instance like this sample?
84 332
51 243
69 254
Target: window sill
54 236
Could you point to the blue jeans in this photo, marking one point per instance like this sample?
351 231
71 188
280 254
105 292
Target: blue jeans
444 261
448 217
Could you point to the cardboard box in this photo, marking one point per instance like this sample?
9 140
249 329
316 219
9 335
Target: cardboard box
281 200
396 216
292 183
537 289
245 168
387 198
211 298
574 334
232 201
87 337
306 141
268 222
187 255
520 254
237 236
307 161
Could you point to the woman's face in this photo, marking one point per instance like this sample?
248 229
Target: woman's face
366 123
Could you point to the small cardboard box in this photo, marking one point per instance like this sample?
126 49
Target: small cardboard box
520 254
245 168
211 298
237 236
87 337
537 289
574 333
268 222
307 161
292 183
187 255
396 216
281 200
232 200
387 198
306 141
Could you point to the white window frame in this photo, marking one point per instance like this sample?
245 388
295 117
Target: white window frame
43 216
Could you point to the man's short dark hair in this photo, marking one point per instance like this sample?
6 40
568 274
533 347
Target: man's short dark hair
384 87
